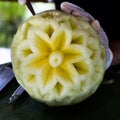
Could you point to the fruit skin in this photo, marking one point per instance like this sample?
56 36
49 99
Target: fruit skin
58 58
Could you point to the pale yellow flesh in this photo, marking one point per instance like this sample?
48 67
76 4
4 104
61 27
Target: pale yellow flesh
57 58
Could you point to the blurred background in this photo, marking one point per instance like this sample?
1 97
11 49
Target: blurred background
11 16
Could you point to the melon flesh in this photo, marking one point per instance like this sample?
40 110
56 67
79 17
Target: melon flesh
58 58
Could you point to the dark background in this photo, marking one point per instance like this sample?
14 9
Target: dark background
107 12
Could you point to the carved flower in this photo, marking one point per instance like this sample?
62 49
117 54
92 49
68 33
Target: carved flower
58 58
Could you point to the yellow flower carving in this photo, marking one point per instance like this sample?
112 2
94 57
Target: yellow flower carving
58 58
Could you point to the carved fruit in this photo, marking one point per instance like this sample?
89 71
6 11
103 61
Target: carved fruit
58 58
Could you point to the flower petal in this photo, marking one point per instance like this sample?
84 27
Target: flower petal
39 41
23 50
33 62
46 77
74 53
61 38
67 74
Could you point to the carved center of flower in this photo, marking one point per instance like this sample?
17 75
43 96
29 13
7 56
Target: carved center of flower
55 58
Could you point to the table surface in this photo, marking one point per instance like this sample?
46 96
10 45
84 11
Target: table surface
103 105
